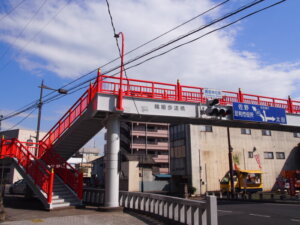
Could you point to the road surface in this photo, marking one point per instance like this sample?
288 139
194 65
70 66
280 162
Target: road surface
247 213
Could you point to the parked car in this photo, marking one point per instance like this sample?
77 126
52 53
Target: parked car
18 187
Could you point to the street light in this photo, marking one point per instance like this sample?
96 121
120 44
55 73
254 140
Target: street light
120 97
40 104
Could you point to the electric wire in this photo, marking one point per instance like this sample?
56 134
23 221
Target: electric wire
212 31
169 31
117 43
130 61
184 43
21 120
250 14
159 36
23 29
13 9
36 34
196 30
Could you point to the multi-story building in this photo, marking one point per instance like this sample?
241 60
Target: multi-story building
145 150
199 154
82 160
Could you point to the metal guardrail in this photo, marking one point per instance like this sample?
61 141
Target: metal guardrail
175 209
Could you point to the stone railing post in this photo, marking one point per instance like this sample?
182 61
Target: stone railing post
211 210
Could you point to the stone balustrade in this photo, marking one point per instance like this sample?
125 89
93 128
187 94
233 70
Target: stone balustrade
181 210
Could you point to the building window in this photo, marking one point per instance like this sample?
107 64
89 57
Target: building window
268 155
266 132
297 135
206 128
280 155
246 131
250 154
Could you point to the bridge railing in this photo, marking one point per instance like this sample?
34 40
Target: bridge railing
178 92
172 208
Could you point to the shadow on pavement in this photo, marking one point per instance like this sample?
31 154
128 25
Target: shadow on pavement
20 202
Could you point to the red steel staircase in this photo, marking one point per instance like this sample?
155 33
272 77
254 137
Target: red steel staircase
45 181
51 178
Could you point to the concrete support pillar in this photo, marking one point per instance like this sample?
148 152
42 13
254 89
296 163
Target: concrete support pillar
111 163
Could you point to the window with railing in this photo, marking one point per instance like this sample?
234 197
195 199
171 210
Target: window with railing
139 127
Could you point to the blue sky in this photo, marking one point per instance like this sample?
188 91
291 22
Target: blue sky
61 42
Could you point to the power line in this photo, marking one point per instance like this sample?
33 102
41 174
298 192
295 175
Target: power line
161 35
24 28
28 42
13 9
212 31
147 53
21 120
186 35
196 30
117 43
167 32
174 47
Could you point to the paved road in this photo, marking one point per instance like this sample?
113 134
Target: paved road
246 213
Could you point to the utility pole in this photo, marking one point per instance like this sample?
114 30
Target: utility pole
1 117
40 104
230 149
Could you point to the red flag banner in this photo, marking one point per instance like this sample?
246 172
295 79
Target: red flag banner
257 158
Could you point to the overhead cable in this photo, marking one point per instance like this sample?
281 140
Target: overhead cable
12 9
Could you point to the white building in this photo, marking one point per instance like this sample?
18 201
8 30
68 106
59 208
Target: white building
199 154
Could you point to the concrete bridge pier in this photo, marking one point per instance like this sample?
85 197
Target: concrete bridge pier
111 162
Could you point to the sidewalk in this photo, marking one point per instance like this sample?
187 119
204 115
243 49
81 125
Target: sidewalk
21 211
97 218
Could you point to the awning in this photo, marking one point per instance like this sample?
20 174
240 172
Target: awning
163 175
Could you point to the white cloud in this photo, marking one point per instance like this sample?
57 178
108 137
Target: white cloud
80 38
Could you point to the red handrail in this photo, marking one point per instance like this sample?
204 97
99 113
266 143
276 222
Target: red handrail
171 92
37 170
72 177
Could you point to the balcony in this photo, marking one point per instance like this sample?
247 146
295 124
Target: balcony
158 170
152 133
161 159
151 145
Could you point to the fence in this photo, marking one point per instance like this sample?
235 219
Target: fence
175 209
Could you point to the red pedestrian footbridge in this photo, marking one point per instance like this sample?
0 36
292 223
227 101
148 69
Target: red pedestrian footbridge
103 104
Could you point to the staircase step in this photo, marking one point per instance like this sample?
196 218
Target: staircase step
61 192
61 205
60 200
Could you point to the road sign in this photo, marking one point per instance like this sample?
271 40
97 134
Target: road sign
212 93
258 113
